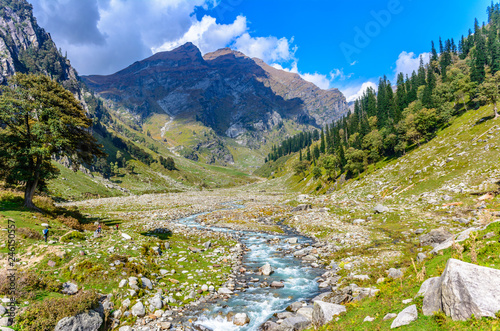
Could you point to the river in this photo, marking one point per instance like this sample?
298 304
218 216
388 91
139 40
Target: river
258 303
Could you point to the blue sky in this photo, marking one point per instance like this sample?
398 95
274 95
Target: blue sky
319 39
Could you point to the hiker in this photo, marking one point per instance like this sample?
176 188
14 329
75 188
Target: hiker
116 227
160 251
45 234
99 229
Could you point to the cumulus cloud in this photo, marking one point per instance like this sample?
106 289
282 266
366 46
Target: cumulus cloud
355 92
409 62
103 36
269 49
208 35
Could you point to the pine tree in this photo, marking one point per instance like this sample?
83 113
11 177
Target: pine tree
322 143
479 60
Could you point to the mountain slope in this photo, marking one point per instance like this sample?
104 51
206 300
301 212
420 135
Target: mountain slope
235 100
134 161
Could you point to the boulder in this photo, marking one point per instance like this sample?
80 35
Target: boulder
369 319
358 221
126 236
435 237
266 269
323 312
69 288
276 284
122 283
241 319
295 323
421 257
138 309
146 283
394 273
389 316
224 290
88 321
2 310
156 302
306 311
4 321
293 240
302 207
380 209
295 306
125 328
463 290
428 283
405 317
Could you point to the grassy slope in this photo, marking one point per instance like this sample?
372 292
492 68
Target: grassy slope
429 187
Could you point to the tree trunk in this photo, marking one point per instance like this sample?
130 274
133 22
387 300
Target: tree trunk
29 193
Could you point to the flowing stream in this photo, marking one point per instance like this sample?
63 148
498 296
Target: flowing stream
261 303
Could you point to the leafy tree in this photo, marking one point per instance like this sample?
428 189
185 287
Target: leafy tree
316 172
355 161
300 167
40 120
489 91
330 164
460 84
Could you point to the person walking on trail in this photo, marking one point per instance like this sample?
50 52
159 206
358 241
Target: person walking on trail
99 228
116 227
45 234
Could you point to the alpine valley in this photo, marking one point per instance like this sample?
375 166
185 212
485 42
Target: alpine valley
212 191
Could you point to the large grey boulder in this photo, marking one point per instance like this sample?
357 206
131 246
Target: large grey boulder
69 288
323 312
295 323
394 273
156 301
89 321
266 269
426 285
380 209
147 283
435 237
405 317
138 309
463 290
241 319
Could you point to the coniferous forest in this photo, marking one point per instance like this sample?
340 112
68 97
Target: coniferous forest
389 121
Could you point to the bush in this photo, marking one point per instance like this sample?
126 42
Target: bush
72 235
27 283
44 315
8 196
29 233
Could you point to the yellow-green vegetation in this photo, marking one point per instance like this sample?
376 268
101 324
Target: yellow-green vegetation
480 249
97 263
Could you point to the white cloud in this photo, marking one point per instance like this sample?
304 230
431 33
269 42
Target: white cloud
409 62
208 35
104 36
355 92
269 49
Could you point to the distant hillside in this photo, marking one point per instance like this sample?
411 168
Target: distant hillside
136 163
233 96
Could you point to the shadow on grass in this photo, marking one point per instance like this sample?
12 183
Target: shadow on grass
160 233
484 119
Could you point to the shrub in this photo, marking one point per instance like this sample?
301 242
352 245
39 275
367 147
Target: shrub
70 222
8 196
72 235
29 233
44 315
27 283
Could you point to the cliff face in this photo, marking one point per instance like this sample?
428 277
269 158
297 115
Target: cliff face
226 90
26 47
